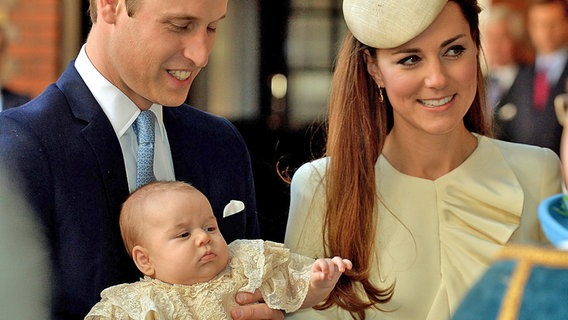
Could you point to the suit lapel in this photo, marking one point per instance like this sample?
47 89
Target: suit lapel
98 132
561 85
179 153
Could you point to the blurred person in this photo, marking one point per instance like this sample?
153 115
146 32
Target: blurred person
8 98
527 114
105 127
502 36
410 172
24 266
190 272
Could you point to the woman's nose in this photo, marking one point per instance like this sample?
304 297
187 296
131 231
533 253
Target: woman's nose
436 75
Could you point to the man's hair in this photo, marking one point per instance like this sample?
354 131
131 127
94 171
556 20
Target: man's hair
131 6
512 17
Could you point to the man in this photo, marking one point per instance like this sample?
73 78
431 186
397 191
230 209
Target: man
503 34
526 114
75 149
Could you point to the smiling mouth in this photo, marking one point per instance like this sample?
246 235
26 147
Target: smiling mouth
436 102
180 74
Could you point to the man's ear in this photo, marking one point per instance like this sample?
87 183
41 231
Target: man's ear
108 10
142 260
373 68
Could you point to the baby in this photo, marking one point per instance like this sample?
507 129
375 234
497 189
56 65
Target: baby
191 273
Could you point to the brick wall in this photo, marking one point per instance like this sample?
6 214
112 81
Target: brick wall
35 49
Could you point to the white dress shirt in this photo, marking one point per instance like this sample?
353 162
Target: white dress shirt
122 112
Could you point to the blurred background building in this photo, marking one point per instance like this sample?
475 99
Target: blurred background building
269 73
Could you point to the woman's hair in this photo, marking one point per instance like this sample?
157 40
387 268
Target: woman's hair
358 123
131 6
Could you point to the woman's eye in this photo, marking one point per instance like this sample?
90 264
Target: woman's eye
409 61
455 51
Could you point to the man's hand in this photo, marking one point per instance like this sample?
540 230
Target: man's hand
250 309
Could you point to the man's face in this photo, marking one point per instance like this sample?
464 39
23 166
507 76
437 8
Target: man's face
154 55
499 44
548 27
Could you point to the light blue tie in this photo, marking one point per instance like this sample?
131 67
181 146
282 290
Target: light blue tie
144 129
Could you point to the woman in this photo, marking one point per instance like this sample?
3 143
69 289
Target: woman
412 190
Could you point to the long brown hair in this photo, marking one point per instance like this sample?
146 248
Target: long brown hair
358 123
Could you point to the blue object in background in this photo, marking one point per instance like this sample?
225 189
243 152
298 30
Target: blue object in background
553 215
526 282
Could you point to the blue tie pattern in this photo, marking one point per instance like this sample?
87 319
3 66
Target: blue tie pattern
144 129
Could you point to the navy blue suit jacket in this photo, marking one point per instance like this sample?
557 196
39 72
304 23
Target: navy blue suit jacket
527 125
71 168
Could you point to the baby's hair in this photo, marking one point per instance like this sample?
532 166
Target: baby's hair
132 208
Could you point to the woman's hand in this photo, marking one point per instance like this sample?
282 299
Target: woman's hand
251 309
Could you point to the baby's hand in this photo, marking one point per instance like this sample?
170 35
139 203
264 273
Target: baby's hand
330 269
325 274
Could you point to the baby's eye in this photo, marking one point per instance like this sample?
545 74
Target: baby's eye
184 235
211 229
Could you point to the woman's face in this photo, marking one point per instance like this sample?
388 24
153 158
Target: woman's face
431 80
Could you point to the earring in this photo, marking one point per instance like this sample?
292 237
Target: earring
381 98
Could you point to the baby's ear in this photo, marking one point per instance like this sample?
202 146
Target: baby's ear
142 260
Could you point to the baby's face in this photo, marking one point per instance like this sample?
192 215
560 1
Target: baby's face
182 238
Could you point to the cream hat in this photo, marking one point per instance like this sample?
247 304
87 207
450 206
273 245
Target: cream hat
389 23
